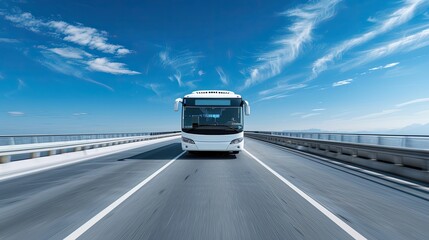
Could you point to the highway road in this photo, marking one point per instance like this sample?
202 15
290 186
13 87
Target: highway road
267 192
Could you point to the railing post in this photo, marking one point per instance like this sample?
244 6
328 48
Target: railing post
4 159
405 142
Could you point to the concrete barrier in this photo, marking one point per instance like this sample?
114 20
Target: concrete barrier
405 162
35 150
15 169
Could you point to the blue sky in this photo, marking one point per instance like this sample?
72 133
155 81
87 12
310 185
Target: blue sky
117 66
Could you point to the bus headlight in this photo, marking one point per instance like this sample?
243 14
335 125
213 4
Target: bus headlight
236 141
188 140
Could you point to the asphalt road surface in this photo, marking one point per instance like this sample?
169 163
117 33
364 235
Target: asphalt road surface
209 196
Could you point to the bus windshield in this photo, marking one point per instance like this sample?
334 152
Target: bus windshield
209 118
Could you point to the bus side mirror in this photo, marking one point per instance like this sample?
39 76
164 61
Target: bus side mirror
246 108
176 104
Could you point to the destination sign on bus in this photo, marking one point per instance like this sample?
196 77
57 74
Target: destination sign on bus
213 102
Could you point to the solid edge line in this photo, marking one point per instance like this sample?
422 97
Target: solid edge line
349 230
28 172
82 229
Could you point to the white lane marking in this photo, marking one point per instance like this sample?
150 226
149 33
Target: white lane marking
91 222
353 233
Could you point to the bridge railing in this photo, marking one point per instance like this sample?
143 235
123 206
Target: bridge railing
406 156
44 138
403 141
48 145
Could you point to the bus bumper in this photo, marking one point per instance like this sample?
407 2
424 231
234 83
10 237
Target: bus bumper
212 146
217 143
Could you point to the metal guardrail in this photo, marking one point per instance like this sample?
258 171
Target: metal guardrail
43 138
412 163
35 150
404 141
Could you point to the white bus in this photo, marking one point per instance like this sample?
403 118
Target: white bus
212 120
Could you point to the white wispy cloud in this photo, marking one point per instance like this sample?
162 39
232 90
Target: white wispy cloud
297 114
282 88
71 68
371 19
403 44
390 65
378 114
16 114
287 47
222 75
201 73
69 52
192 83
20 86
154 87
376 68
25 20
276 96
342 82
177 77
80 114
104 65
78 34
419 100
183 64
78 57
318 109
397 18
8 40
310 115
87 36
184 60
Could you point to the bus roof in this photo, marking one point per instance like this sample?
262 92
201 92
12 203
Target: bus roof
212 94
